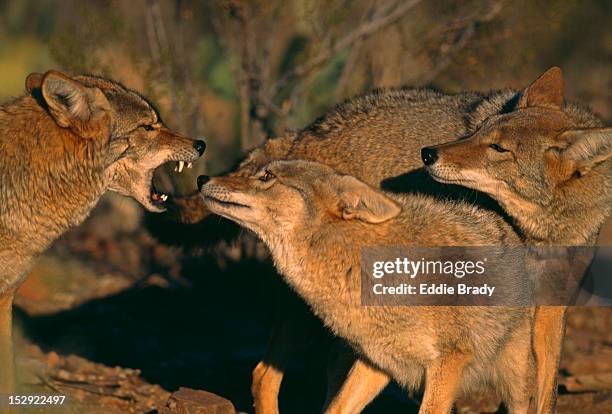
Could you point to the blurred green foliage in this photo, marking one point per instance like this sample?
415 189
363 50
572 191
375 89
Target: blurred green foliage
213 68
23 46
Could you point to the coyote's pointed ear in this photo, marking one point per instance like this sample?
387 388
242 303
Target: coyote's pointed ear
72 104
362 202
587 148
546 91
33 81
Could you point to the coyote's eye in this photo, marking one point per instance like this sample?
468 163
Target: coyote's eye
148 127
266 176
498 148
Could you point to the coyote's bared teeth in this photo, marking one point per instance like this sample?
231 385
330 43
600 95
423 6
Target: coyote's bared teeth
164 197
190 165
181 165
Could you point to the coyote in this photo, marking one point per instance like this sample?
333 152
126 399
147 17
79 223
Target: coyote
64 144
377 138
548 164
315 222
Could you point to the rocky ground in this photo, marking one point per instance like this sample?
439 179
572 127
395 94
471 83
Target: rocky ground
121 323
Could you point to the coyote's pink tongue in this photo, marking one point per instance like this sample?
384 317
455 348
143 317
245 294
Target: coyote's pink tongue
158 197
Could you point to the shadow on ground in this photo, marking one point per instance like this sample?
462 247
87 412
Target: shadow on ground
208 336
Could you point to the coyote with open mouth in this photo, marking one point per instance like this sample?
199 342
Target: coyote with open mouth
63 145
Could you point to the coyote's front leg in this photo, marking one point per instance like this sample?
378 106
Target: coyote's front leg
7 362
265 388
548 333
442 381
268 374
363 383
294 332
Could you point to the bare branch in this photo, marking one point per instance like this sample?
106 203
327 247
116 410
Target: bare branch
241 13
158 44
467 29
371 13
347 69
364 31
450 50
192 119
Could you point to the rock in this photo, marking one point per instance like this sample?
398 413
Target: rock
89 387
188 401
592 382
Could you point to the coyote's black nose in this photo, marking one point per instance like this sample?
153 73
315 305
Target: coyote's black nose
429 155
200 146
202 179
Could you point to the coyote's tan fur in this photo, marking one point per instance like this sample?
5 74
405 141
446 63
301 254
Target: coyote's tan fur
64 144
315 222
549 166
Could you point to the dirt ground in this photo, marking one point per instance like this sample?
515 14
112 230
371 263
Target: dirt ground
117 321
